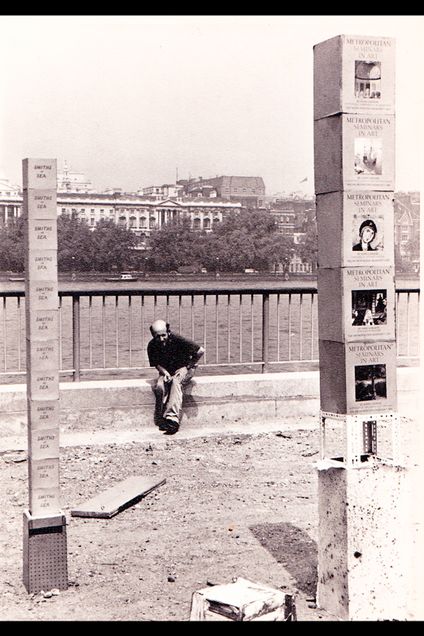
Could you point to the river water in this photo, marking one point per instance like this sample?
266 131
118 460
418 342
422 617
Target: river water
115 331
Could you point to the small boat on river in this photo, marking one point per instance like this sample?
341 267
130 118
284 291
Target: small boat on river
124 276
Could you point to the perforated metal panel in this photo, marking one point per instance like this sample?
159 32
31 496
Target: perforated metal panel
365 437
45 565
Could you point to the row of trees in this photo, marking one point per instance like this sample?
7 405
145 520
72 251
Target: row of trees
105 248
242 240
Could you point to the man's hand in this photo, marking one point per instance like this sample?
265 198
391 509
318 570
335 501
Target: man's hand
195 358
166 375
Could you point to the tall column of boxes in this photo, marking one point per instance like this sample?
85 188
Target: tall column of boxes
45 559
354 148
354 141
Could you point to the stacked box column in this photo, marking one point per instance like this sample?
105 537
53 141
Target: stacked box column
354 148
45 559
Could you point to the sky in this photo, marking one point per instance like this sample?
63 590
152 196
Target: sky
135 101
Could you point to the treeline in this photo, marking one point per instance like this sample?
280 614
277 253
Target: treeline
247 239
104 248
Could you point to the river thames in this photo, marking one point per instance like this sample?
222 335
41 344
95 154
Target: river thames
115 318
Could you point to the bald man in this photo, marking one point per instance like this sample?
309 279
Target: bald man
176 359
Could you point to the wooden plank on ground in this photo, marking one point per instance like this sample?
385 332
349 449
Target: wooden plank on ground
115 499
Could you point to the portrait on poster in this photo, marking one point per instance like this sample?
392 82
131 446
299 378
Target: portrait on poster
368 155
369 307
367 233
370 382
367 80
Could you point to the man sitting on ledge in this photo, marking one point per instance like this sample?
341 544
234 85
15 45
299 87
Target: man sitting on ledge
176 359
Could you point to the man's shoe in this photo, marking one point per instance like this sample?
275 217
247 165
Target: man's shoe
163 425
171 427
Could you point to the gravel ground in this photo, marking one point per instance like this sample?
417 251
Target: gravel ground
232 505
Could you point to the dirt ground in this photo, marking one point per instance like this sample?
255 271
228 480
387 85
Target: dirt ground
232 505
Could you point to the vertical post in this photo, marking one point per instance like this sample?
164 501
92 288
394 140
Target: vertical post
76 338
265 332
44 532
360 564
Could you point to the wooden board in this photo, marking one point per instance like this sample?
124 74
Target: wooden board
117 498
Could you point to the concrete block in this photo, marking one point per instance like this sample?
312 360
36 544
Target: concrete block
297 407
137 393
333 590
42 325
45 501
44 473
343 217
41 235
43 414
42 295
262 385
222 411
41 265
42 355
39 174
354 153
106 419
43 444
39 205
44 385
354 74
356 304
362 569
357 377
129 404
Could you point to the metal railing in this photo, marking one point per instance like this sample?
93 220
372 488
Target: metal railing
107 331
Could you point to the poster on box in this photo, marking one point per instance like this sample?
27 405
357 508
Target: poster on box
371 376
369 236
368 75
354 74
369 302
368 152
355 228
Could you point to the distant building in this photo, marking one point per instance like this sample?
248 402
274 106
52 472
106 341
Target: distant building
249 191
7 189
407 228
140 214
285 220
293 213
159 193
70 181
297 266
10 200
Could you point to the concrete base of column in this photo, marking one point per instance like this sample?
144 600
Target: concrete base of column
45 559
362 569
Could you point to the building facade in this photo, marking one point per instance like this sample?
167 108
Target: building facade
407 227
70 181
249 191
139 214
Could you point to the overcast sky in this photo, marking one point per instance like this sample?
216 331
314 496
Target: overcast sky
129 100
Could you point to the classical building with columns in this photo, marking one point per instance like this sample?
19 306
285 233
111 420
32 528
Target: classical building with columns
138 213
10 200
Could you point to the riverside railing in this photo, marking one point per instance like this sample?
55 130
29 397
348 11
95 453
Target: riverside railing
106 331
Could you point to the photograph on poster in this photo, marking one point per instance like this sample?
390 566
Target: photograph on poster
366 235
370 382
369 307
367 79
368 155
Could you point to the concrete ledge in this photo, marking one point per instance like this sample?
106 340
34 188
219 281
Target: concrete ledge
128 404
